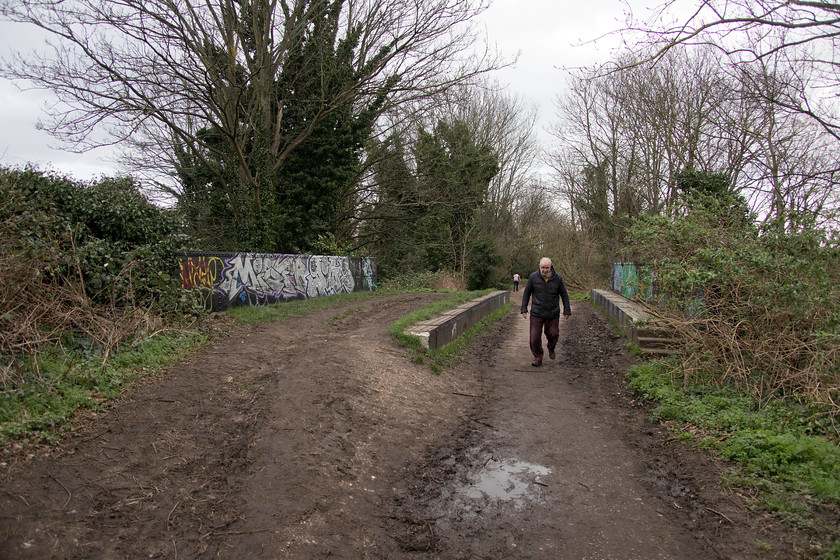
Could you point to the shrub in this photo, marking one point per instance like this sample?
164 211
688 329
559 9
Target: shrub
85 261
757 306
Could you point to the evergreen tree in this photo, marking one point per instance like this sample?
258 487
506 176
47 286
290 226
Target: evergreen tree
318 175
299 203
390 225
432 214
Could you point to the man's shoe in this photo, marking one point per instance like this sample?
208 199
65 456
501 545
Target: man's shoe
535 363
551 354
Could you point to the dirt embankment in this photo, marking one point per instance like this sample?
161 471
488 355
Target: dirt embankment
319 438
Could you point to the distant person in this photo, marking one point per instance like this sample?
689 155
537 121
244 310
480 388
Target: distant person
545 289
516 279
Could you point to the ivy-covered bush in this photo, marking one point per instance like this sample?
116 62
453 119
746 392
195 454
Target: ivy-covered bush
93 260
123 245
758 306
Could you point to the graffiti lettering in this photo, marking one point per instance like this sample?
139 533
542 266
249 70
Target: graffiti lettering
261 279
631 280
200 272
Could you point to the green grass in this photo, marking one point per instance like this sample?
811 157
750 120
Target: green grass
45 394
259 315
443 357
787 452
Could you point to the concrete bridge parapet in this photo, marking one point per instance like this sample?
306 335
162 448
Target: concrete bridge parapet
440 331
635 321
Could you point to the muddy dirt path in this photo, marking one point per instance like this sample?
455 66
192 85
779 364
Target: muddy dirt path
319 438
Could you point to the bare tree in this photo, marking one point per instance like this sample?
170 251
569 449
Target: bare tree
597 153
626 137
162 74
494 119
804 32
789 169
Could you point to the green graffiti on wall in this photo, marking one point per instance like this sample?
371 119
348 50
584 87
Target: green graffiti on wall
633 281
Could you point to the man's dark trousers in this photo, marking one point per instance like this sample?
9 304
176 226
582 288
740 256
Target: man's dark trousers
552 333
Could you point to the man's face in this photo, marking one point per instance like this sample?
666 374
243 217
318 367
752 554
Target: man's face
545 268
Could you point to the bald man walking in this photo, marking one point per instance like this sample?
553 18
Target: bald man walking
545 290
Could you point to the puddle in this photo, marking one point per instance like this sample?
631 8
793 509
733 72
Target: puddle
506 480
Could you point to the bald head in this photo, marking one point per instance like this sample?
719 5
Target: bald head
545 267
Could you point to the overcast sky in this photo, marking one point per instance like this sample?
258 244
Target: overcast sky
549 34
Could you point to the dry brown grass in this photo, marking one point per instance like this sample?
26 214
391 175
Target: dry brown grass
447 280
769 358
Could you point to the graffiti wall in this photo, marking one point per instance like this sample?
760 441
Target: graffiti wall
633 281
227 280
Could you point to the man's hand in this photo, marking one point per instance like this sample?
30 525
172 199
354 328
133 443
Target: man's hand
524 314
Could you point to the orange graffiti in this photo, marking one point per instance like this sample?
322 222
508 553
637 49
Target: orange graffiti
200 272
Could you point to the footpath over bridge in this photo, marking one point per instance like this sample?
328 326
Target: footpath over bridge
631 317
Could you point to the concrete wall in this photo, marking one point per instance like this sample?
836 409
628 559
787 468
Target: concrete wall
234 279
440 331
624 312
636 323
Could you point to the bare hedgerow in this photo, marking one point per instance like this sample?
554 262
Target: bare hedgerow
778 362
87 267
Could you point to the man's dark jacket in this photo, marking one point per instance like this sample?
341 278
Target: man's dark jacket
545 296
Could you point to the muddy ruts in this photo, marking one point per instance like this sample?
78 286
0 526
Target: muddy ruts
227 280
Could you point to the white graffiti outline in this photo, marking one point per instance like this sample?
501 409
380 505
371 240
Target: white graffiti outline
267 277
